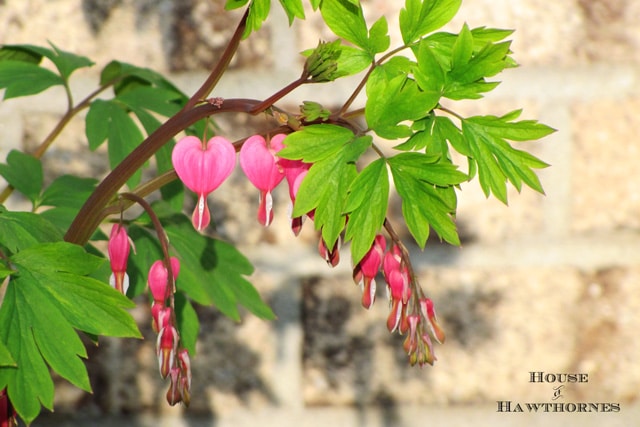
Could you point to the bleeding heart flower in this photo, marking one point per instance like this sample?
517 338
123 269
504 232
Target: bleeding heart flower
202 168
118 248
158 279
259 162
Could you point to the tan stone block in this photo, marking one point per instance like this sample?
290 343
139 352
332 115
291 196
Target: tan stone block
605 174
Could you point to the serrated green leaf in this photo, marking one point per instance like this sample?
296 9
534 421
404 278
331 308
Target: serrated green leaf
20 78
293 9
162 101
58 194
21 230
67 62
314 143
429 73
325 188
24 173
497 160
378 37
346 20
425 203
367 207
107 120
258 13
117 71
419 18
5 357
425 168
44 302
393 100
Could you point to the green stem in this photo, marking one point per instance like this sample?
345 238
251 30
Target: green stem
162 237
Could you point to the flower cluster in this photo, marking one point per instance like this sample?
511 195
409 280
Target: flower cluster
410 311
173 360
203 166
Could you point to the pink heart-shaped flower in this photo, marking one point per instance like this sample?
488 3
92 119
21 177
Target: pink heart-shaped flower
202 169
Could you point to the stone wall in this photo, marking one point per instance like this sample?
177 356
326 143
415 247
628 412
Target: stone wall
550 283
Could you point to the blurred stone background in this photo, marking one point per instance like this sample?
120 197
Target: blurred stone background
550 283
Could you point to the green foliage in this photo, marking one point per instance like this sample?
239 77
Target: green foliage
333 151
367 207
497 161
419 18
21 74
47 298
24 173
53 289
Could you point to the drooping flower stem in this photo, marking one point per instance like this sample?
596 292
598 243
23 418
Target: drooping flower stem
162 237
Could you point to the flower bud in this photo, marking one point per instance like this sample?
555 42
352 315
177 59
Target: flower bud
158 279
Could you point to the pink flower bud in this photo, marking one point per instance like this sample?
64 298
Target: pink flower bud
118 248
166 347
429 312
161 316
158 279
202 168
173 394
332 257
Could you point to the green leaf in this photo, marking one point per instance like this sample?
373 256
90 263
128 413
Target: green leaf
293 9
378 37
188 323
24 173
367 207
258 13
65 62
66 204
428 195
392 100
325 188
234 4
21 230
19 53
126 75
106 120
314 143
5 356
58 194
5 271
45 301
498 162
346 20
162 101
435 132
422 17
429 73
470 66
23 78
